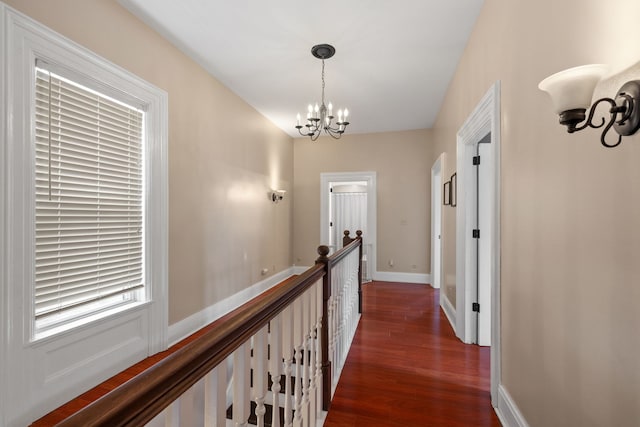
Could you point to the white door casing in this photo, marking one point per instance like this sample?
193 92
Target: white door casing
483 120
326 179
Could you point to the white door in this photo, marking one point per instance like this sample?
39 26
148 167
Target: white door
479 252
348 211
484 248
436 223
330 234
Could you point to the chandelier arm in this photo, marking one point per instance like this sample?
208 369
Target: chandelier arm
339 125
335 134
307 133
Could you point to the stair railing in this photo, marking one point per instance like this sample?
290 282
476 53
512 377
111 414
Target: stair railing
293 338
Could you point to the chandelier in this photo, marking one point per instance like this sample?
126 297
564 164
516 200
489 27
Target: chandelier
321 117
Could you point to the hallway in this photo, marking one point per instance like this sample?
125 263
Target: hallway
407 368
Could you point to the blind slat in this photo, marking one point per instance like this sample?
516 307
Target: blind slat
89 197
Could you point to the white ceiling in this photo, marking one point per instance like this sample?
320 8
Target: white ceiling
393 63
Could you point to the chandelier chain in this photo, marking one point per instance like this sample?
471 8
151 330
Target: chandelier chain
323 82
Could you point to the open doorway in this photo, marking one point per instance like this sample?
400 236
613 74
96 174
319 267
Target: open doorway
347 210
348 200
478 230
436 222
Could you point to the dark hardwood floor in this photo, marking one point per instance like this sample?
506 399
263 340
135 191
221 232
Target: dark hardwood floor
406 367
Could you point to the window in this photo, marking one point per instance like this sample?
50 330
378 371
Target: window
89 195
83 219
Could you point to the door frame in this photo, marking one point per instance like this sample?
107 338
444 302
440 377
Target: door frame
483 120
436 220
326 178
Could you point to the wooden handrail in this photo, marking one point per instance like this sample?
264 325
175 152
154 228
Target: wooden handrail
140 399
343 252
329 262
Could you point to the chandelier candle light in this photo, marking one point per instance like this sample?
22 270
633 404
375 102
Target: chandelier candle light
321 117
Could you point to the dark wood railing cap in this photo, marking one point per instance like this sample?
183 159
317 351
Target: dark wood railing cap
359 233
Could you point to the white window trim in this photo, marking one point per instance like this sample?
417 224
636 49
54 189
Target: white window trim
36 377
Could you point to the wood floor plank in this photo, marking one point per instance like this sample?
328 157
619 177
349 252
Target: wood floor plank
406 367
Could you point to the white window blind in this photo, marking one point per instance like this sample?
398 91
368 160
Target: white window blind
89 200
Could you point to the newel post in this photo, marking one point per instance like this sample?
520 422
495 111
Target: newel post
323 251
359 237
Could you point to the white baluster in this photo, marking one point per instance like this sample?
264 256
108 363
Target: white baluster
259 363
275 366
287 354
308 360
187 407
335 331
215 396
241 387
313 318
319 381
298 340
172 414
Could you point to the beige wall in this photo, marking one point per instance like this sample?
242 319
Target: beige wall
223 158
402 161
570 212
570 235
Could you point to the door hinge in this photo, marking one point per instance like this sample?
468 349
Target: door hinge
476 307
331 190
475 234
331 224
476 160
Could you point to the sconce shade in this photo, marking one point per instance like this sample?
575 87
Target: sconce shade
573 88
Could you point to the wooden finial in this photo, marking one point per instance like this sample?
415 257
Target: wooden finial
359 233
323 251
346 239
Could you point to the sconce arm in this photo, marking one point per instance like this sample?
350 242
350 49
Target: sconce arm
614 111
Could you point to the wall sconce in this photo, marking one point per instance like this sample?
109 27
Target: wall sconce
276 195
571 92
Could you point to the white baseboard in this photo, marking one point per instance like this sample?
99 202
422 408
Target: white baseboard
449 310
507 410
390 276
191 324
387 276
298 269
